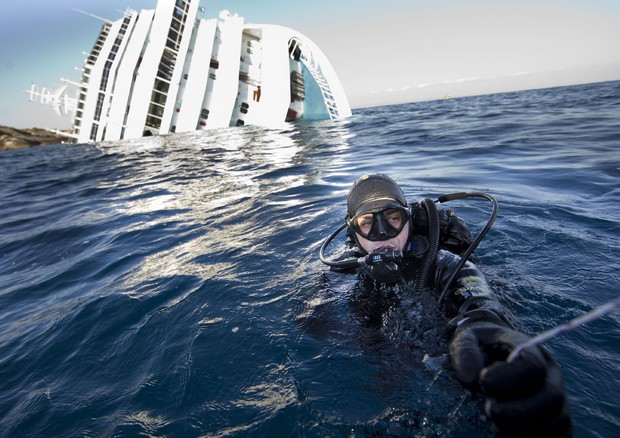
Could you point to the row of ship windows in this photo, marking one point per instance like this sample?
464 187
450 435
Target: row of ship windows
112 56
181 8
166 65
177 25
174 39
94 53
98 109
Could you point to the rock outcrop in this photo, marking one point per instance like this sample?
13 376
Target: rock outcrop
12 138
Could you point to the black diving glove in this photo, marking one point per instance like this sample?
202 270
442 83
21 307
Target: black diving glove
524 397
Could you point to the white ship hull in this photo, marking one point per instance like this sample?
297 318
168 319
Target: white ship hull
161 71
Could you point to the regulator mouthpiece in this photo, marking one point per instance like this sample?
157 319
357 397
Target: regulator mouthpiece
385 265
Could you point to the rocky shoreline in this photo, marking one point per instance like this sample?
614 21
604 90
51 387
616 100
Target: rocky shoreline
12 138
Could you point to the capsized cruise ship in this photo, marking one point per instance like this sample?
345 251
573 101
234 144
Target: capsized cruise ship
165 70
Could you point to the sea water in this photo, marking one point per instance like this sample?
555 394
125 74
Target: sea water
171 286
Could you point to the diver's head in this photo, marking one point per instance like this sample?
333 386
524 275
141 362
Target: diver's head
377 213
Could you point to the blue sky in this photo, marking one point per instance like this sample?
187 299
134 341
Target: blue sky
384 52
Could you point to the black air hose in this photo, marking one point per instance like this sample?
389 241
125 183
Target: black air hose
478 239
433 244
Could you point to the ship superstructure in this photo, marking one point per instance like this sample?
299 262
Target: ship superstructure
164 70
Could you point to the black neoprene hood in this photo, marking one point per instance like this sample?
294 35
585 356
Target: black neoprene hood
372 193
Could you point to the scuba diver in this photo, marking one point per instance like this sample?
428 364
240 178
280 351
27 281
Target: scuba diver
390 241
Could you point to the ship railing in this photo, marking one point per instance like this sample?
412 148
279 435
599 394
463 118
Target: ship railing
315 70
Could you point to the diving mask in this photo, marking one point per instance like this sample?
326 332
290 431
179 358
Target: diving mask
380 225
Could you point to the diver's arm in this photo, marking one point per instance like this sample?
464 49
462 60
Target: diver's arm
469 295
524 397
